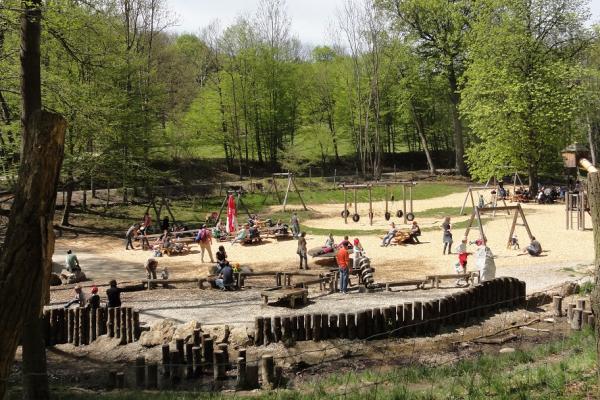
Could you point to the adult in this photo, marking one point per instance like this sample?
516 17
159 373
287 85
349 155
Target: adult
225 279
129 235
94 299
219 230
534 249
415 232
447 236
78 299
343 261
302 252
484 261
151 266
71 262
142 236
295 224
113 293
205 242
390 235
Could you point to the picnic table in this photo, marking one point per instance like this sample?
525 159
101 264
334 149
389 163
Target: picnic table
289 294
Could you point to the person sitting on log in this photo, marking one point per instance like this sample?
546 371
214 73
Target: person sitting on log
329 244
534 249
78 299
71 262
225 279
241 236
390 235
415 232
94 299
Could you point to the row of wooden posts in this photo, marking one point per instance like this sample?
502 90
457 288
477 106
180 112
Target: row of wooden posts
201 360
82 325
406 319
579 314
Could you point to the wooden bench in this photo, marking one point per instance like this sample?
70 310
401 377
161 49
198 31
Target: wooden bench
435 280
289 294
419 283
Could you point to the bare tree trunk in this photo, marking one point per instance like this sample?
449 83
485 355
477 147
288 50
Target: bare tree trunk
26 255
591 139
67 206
459 147
420 131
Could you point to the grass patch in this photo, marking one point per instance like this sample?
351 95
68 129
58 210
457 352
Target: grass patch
587 288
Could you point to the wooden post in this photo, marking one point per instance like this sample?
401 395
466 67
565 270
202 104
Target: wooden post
581 304
418 317
166 360
76 329
110 327
294 328
346 212
342 327
208 350
152 381
197 361
277 329
100 321
140 372
71 327
224 347
286 333
129 319
268 371
370 207
120 380
258 331
123 326
404 203
219 366
268 332
189 359
370 326
356 326
241 377
301 328
252 375
557 305
136 325
408 319
174 356
112 380
377 322
316 334
308 326
324 326
576 320
570 308
333 327
180 346
399 320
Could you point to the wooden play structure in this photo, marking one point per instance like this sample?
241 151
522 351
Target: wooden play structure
158 207
518 212
408 216
493 203
274 189
576 207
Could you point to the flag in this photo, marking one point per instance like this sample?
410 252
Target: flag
231 215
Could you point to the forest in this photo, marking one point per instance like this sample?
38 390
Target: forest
503 86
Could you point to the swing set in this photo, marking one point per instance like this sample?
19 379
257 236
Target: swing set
408 216
518 212
290 182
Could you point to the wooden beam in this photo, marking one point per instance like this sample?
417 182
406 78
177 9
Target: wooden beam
287 191
299 195
503 208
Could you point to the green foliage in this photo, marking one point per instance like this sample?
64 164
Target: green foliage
586 288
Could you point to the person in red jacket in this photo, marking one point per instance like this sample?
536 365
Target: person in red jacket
343 261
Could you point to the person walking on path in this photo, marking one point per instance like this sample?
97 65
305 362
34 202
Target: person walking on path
130 235
447 238
302 252
205 243
295 224
343 261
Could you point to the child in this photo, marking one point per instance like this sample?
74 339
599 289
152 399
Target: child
461 265
514 242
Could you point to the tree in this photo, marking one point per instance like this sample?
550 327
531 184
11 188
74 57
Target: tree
26 254
521 93
438 30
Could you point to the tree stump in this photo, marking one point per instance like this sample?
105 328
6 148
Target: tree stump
140 372
268 371
152 381
356 328
557 306
277 334
259 331
342 326
166 360
576 320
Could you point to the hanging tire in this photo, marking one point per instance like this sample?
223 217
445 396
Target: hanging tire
356 218
345 213
399 213
387 216
410 216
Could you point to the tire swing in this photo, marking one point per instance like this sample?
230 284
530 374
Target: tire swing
387 214
410 216
355 216
399 214
345 214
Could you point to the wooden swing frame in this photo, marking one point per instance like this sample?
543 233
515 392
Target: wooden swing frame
291 182
518 211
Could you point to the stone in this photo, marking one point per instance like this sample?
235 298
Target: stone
160 333
507 350
186 331
55 279
72 277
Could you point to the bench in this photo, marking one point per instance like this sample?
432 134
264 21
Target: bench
289 294
419 283
435 280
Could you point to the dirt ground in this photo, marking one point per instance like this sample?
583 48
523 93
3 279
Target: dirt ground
567 253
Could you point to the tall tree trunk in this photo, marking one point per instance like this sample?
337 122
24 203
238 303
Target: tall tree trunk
67 206
459 147
532 172
420 131
591 138
25 269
